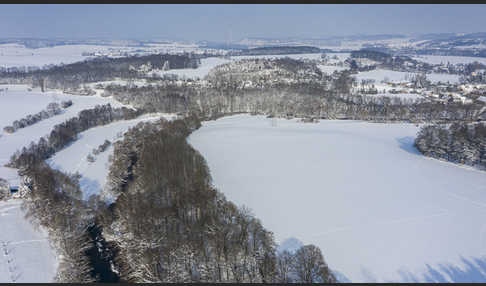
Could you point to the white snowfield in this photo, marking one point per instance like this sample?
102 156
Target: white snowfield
378 209
93 175
448 59
25 253
17 102
15 55
200 72
410 96
395 76
330 69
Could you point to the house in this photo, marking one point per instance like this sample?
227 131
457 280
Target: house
12 188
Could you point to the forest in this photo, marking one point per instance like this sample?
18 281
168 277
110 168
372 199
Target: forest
330 101
457 142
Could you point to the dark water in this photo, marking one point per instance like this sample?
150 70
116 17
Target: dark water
101 255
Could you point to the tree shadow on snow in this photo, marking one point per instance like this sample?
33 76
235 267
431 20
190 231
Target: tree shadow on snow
474 270
89 187
406 143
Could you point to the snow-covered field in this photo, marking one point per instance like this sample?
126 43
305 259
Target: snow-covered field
93 175
14 55
18 102
330 69
449 59
411 96
395 76
443 77
206 65
378 209
25 254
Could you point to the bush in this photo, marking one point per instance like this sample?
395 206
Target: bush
90 158
9 129
67 103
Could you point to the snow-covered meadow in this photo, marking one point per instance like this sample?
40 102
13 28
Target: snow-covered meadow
380 75
200 72
17 102
25 253
448 59
378 209
15 55
93 174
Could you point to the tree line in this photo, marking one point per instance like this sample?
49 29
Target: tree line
333 101
458 142
51 110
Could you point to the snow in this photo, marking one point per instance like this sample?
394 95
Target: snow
314 56
29 258
209 63
200 72
411 96
378 209
443 77
17 55
93 175
395 76
451 59
330 69
381 74
291 244
18 102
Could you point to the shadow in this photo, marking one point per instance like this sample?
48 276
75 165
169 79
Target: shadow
89 187
370 278
340 277
473 270
406 143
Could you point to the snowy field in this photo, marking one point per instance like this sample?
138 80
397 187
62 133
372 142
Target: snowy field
395 76
93 175
25 255
330 69
378 209
448 59
14 55
206 65
410 96
18 102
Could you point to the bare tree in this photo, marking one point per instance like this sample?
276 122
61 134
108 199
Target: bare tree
309 266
